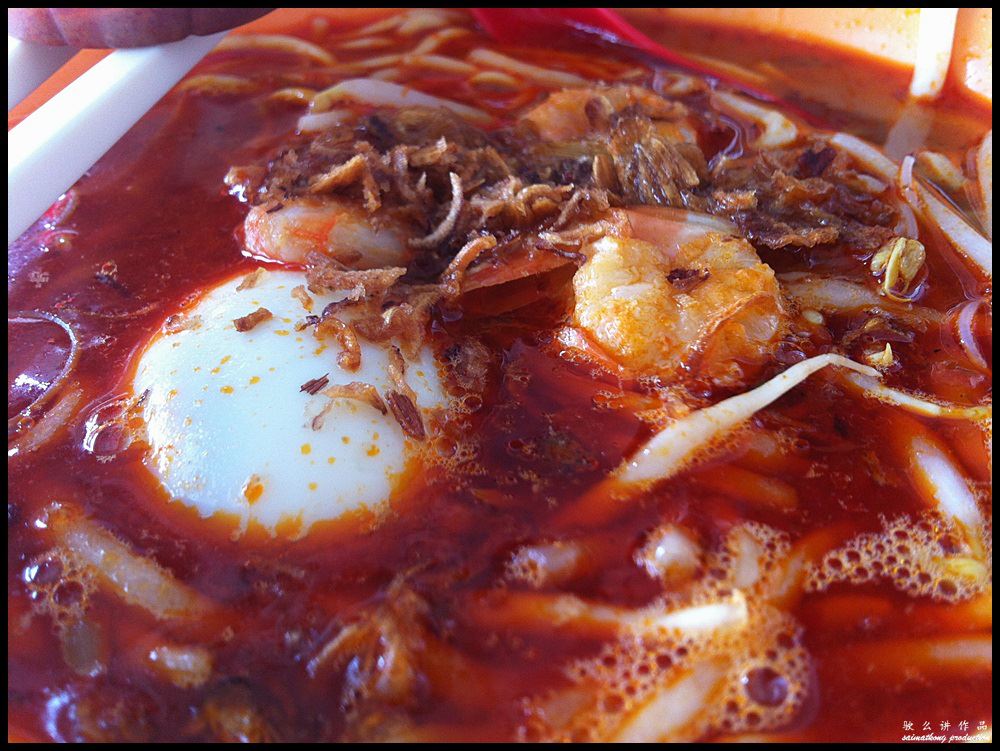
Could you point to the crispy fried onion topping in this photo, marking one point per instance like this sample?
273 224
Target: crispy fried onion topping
451 218
330 326
326 274
250 320
452 276
314 385
362 392
405 320
402 400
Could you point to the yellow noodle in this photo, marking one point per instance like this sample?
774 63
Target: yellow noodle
217 84
438 62
776 129
431 42
293 95
544 76
277 43
366 43
494 79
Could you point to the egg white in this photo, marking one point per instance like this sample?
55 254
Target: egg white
230 431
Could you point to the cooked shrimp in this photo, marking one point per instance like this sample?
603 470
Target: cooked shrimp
576 113
697 299
339 230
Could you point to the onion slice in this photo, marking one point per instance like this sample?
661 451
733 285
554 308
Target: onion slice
965 331
939 169
869 156
982 162
959 233
776 129
935 37
942 483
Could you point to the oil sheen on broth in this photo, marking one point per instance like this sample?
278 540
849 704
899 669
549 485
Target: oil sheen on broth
384 383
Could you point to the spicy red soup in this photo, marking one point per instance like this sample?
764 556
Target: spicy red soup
386 383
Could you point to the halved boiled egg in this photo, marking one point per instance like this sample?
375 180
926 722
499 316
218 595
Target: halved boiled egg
232 432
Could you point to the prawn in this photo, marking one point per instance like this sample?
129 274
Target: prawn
697 299
290 231
573 114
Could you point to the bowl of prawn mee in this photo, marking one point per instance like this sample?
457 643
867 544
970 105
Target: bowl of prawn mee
389 383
